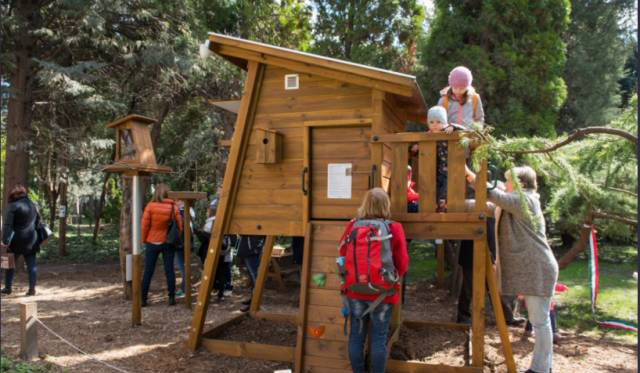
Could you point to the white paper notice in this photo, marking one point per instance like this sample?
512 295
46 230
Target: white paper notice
339 180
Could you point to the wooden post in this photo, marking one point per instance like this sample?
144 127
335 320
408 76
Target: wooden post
28 331
477 306
265 259
136 216
187 253
500 320
440 263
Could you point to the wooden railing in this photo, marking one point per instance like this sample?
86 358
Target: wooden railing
393 169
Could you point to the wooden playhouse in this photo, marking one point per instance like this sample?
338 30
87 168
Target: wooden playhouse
312 135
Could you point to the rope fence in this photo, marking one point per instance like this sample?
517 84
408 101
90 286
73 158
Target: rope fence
29 342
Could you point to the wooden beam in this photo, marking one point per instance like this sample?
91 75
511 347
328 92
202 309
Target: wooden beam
187 195
435 217
249 350
227 198
497 311
229 105
399 366
414 137
273 316
263 268
477 305
440 264
302 308
398 186
216 330
337 122
447 231
427 177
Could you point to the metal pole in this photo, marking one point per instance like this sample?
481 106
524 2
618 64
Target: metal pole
136 311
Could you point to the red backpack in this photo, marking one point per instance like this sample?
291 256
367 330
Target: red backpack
367 266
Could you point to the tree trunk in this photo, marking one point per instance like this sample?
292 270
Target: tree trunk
63 214
103 196
19 108
125 234
580 244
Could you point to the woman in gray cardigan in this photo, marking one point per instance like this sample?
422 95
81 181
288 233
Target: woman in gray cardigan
527 264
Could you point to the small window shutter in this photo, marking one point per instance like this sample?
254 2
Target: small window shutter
291 81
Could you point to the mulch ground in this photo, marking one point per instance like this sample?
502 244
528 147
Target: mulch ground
84 303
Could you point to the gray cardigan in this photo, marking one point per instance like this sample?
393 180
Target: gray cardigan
528 266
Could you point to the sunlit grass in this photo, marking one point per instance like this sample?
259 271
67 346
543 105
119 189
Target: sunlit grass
81 249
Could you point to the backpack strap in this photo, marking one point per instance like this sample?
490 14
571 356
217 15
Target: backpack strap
445 102
474 99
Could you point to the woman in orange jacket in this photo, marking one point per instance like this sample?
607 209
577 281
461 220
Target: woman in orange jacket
155 222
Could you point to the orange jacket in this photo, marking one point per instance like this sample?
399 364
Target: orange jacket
155 220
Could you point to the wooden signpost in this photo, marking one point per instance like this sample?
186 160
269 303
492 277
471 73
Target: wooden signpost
312 135
135 157
187 197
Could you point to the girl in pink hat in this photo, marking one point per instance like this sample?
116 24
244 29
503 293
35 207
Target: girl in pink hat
460 99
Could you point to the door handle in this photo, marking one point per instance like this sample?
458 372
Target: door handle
305 171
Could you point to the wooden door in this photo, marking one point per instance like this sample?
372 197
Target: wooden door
344 148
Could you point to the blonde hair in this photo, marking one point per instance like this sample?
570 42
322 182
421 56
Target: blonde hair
161 192
375 205
526 175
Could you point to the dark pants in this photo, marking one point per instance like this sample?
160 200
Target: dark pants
379 319
151 253
223 277
253 263
466 262
30 260
297 244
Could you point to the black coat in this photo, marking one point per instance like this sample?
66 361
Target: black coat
19 228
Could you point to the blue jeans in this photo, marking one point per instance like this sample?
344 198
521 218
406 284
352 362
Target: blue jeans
151 253
379 318
538 311
252 262
180 259
32 270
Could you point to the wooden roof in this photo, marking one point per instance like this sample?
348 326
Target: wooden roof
134 117
404 87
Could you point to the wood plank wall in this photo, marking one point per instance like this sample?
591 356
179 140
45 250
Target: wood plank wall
270 195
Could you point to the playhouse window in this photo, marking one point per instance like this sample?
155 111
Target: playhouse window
291 81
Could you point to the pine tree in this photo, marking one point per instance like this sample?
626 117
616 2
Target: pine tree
515 52
596 53
381 33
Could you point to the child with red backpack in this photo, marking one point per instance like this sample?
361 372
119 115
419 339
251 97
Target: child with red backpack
373 258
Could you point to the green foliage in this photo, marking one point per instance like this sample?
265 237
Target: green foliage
381 33
8 365
81 249
596 53
579 176
515 52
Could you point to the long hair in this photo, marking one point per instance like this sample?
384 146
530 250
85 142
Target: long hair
161 192
375 205
18 191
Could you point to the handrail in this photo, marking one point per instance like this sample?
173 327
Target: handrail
414 137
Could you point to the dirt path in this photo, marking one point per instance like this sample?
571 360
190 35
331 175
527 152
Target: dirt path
84 304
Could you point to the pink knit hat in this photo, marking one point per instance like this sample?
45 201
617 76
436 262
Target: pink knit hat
460 77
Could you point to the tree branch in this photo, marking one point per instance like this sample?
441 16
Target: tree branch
606 215
578 134
620 190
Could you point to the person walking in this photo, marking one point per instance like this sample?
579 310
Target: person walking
155 223
19 237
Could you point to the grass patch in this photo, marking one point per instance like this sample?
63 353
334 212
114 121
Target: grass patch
617 298
422 260
8 365
80 248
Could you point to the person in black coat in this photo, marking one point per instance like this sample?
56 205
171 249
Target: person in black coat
20 222
249 250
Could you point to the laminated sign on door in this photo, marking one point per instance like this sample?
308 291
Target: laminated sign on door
339 180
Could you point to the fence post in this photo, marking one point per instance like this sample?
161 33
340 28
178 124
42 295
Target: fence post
28 331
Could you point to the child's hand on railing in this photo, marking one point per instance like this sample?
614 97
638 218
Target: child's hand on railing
448 129
469 175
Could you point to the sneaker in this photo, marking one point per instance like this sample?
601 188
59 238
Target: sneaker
5 291
172 300
246 302
556 338
179 294
245 308
516 321
30 292
143 303
227 293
